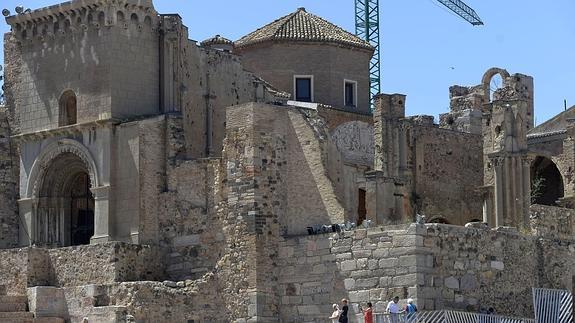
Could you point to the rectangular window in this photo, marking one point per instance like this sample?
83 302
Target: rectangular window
303 88
350 93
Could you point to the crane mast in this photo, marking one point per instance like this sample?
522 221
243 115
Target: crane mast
367 28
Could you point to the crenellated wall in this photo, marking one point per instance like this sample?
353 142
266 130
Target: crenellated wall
107 54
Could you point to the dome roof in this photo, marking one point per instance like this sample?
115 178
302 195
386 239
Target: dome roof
301 26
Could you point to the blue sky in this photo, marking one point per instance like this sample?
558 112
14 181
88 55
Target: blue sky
425 47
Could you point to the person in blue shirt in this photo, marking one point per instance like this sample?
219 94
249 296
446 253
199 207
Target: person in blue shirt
410 310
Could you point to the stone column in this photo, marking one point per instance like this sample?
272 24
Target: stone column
102 212
499 190
526 168
27 221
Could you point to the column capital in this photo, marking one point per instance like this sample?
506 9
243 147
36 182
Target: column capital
101 193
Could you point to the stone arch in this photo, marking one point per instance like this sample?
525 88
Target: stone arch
547 183
64 205
134 18
68 108
49 154
488 76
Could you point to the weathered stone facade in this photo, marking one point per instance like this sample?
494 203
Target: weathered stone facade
9 225
155 180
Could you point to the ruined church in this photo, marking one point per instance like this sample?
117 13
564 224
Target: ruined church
146 177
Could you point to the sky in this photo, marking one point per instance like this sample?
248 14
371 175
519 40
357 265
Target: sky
425 48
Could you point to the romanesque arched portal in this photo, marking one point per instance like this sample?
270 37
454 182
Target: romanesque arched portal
65 203
546 182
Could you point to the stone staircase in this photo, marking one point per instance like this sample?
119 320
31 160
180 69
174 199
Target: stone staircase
14 309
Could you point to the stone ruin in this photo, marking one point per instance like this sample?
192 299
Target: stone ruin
146 178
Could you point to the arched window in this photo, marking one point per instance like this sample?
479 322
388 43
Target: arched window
68 109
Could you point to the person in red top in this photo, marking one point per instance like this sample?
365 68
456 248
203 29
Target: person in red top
368 313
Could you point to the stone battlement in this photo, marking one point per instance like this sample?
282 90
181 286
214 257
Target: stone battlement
81 16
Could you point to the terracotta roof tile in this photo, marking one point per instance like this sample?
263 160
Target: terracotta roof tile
305 27
216 40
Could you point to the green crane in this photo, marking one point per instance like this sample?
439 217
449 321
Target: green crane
367 27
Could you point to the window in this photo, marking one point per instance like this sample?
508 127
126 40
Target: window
67 109
350 93
303 88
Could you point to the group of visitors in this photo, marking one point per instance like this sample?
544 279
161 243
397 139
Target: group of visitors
340 315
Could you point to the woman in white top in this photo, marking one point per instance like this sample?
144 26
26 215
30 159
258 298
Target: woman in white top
335 315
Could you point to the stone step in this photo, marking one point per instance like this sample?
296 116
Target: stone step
12 307
5 316
48 320
13 299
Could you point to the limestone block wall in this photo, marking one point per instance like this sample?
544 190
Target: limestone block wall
365 265
440 266
9 165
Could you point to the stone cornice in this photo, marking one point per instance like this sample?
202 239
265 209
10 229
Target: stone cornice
65 131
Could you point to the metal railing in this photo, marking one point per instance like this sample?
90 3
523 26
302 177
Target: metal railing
553 305
442 317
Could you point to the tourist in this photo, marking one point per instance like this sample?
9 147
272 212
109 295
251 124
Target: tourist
335 315
344 309
393 310
411 310
367 313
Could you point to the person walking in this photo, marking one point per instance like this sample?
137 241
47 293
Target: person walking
335 315
393 310
367 313
343 314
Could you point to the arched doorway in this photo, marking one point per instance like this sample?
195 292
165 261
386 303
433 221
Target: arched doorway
546 182
65 210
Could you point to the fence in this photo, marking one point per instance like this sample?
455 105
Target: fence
552 305
443 317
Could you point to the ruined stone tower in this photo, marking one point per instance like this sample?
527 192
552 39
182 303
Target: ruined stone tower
507 118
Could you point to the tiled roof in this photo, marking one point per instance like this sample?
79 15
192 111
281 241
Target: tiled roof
217 40
302 26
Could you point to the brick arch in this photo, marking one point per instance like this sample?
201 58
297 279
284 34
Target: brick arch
50 154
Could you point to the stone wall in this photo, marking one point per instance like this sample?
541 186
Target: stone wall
278 63
335 117
81 265
552 222
447 168
362 266
116 75
440 266
9 165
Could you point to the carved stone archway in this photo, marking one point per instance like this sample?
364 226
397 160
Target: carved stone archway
47 208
